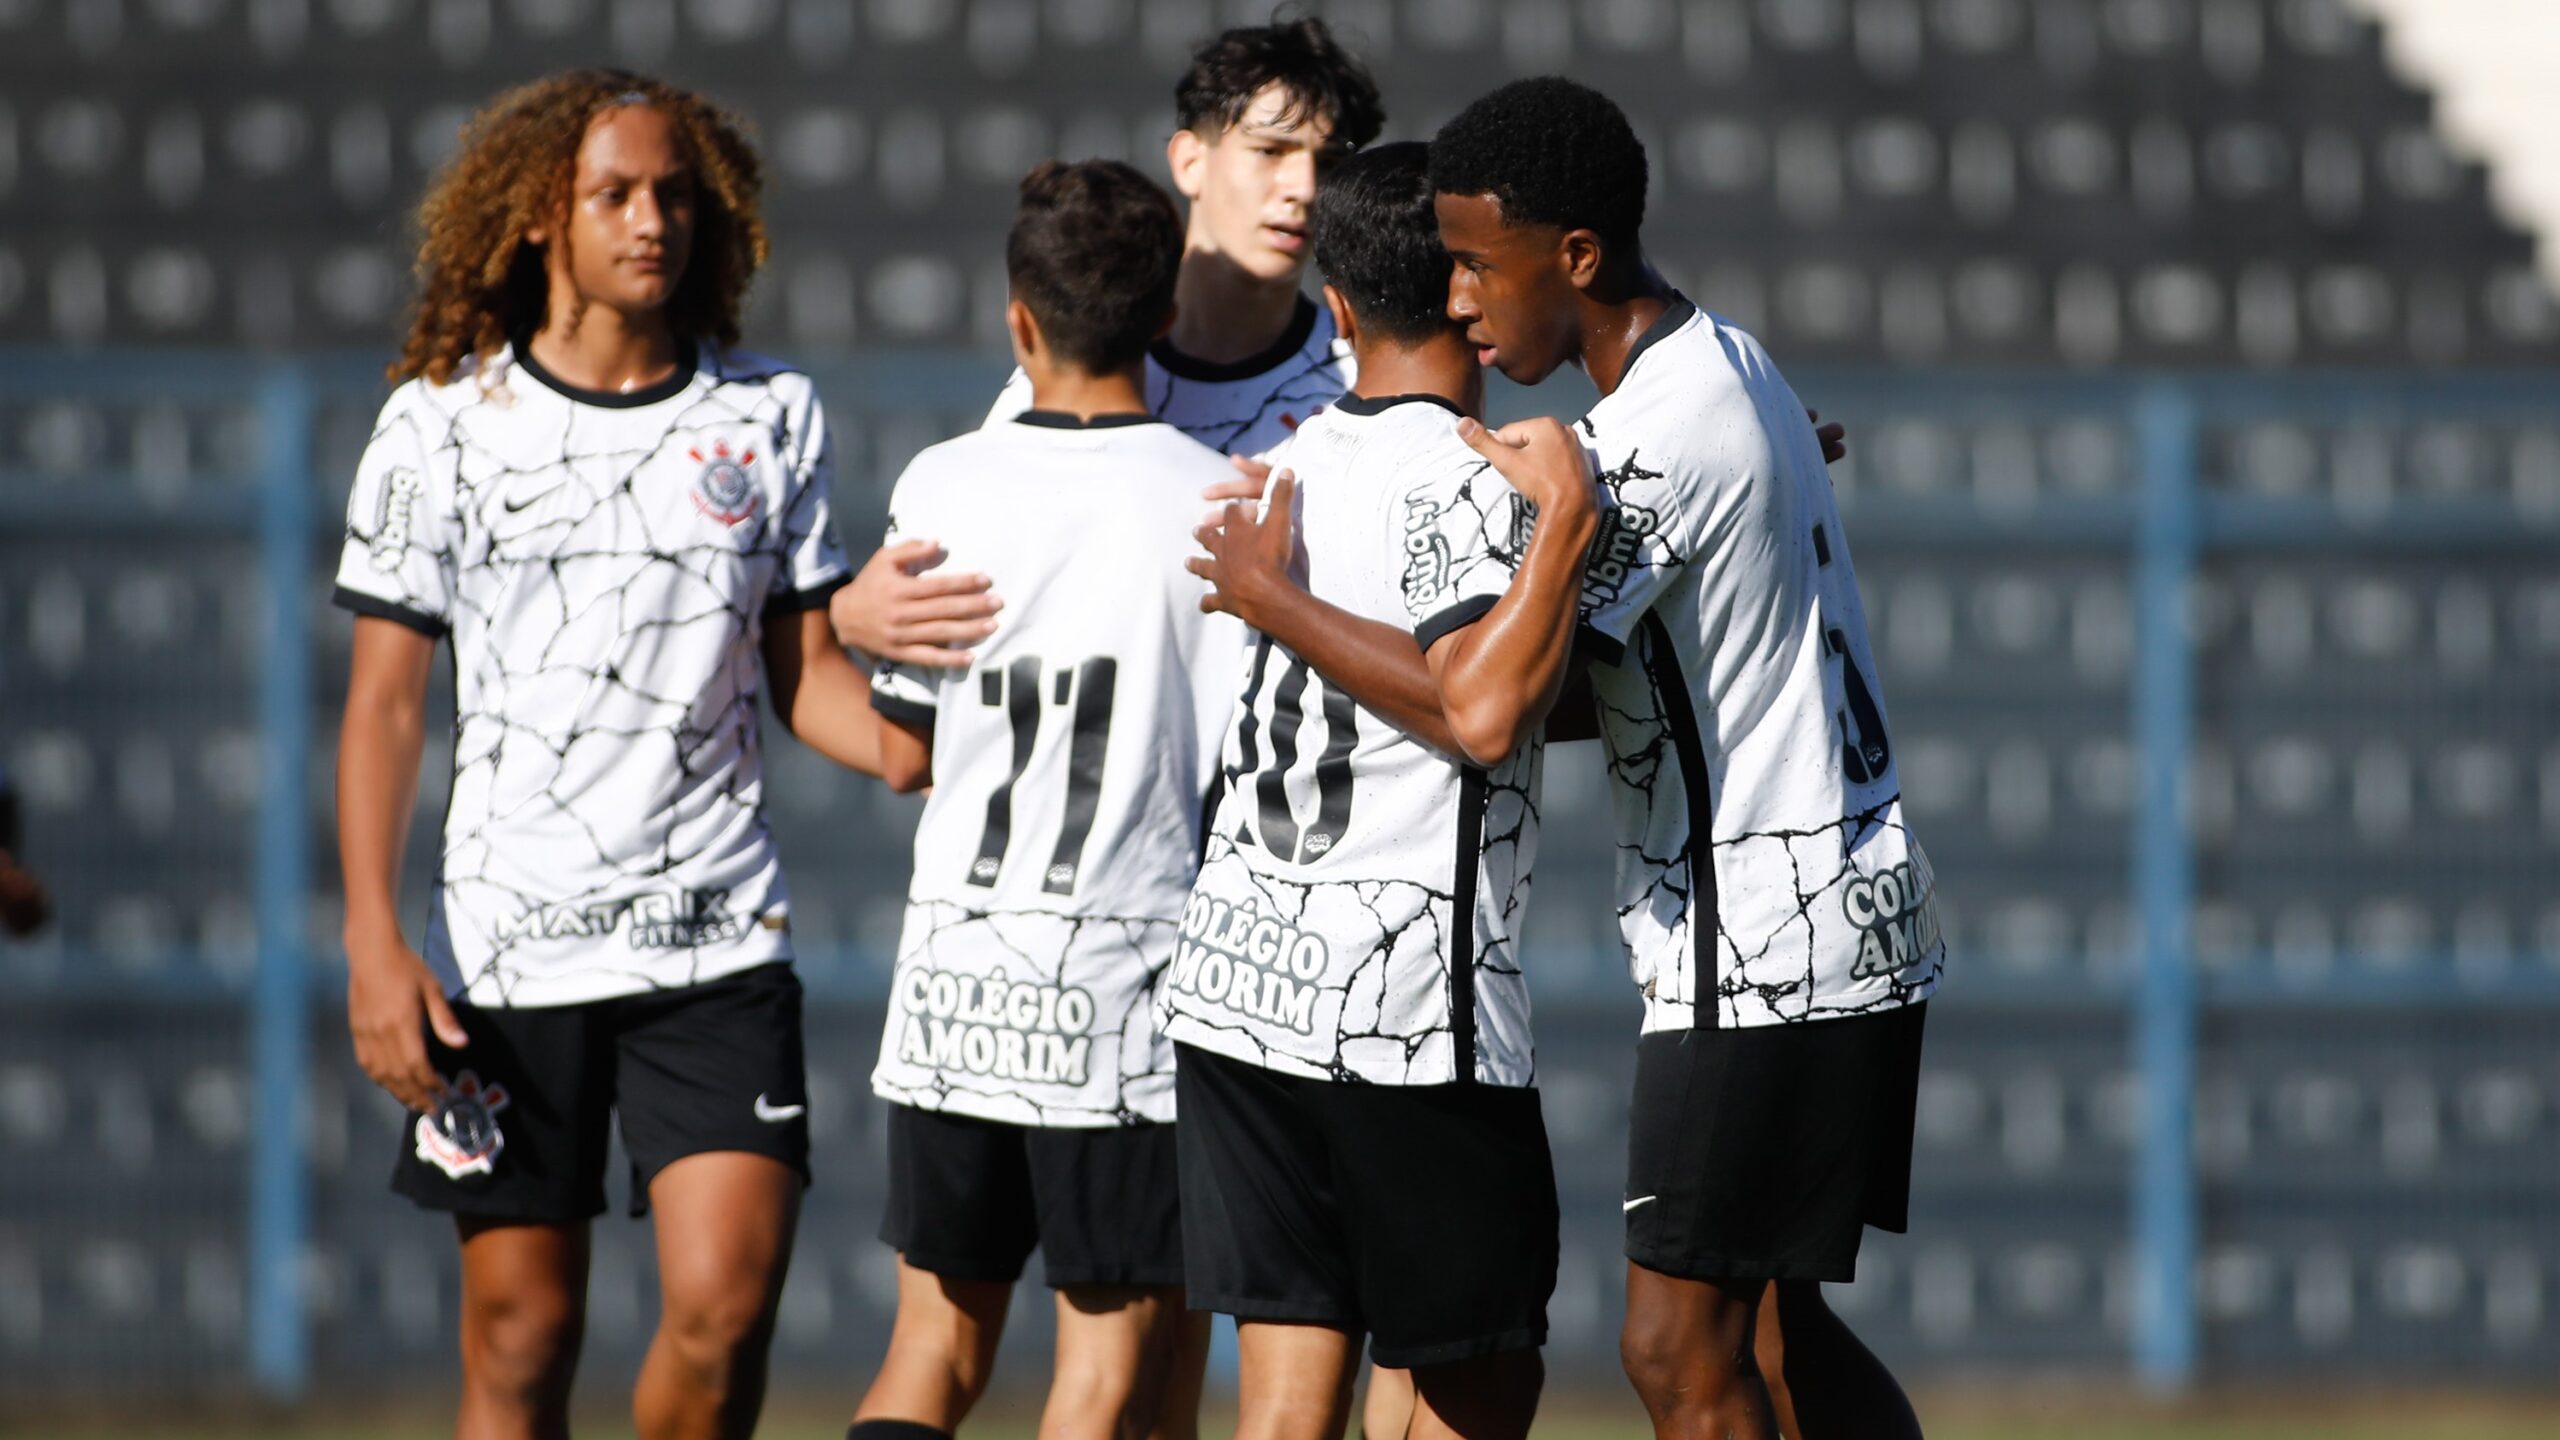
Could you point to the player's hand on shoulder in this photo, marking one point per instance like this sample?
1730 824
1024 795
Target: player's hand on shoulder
1542 458
1251 556
392 997
898 609
1247 484
1834 437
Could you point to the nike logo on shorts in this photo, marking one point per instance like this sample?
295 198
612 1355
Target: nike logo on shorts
1630 1206
776 1114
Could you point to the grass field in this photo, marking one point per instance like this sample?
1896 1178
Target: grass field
1973 1414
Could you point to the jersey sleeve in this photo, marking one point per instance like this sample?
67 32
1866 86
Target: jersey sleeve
1454 538
1012 400
813 561
1643 546
403 525
907 694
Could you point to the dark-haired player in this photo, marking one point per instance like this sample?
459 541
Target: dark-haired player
620 523
1249 355
1031 1091
1362 1149
1777 912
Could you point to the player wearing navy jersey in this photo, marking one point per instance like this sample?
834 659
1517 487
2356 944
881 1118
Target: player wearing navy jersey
1031 1091
1362 1146
1778 914
1249 356
620 524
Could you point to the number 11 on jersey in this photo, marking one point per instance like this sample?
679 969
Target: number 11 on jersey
1016 690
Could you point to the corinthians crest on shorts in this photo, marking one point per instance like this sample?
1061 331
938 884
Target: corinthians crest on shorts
461 1136
727 490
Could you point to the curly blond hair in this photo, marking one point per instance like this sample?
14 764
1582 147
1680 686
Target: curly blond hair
480 283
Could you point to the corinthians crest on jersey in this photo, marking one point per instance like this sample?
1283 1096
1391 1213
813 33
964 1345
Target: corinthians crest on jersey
605 565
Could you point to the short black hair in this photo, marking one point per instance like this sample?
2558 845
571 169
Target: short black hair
1321 79
1550 152
1378 243
1093 252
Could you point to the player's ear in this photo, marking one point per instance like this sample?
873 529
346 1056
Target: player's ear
1024 332
1579 252
1172 311
1344 323
1186 155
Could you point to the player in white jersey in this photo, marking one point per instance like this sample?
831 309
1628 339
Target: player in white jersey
1362 1149
1031 1092
621 524
1777 912
1248 357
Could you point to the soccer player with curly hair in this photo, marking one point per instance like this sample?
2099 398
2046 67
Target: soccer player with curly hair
1777 913
620 523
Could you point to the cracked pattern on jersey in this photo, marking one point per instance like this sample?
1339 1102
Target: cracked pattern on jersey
1028 1017
1245 416
1739 709
1783 887
1349 978
604 574
1251 415
1356 915
1462 543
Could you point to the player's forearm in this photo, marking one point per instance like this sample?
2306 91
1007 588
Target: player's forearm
1504 672
827 705
379 744
1374 663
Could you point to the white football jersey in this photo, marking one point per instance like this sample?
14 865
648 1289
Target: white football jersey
1740 695
1070 763
1243 408
605 564
1356 914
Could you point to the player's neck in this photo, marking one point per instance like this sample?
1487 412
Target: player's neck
1224 313
1064 390
1447 369
601 348
1615 314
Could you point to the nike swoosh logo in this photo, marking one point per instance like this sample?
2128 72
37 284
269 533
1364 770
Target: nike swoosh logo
776 1114
518 507
1630 1206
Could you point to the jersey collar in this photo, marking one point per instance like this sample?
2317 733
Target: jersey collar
1061 420
1675 316
673 385
1302 323
1379 404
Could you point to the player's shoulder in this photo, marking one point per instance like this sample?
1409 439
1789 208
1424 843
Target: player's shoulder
733 367
1695 386
1403 438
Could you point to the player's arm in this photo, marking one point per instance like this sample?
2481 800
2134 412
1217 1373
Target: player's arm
822 697
390 989
1499 677
1250 570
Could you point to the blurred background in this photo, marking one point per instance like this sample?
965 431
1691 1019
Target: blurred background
2205 487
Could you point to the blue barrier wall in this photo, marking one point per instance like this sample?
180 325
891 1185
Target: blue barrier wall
2228 707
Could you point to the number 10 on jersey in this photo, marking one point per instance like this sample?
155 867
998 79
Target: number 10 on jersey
1017 691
